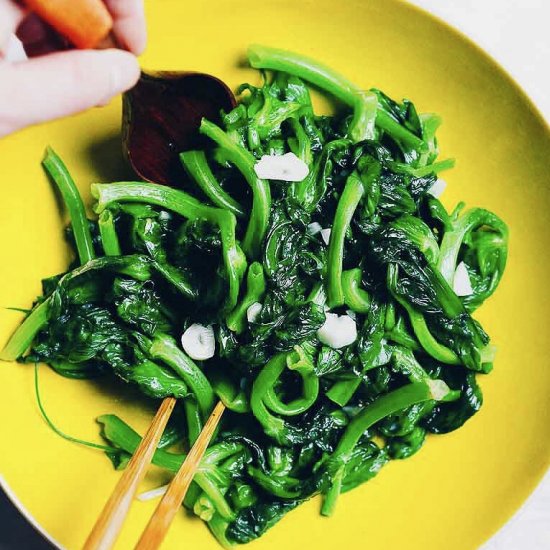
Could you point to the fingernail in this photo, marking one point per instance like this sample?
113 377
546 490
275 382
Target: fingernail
14 51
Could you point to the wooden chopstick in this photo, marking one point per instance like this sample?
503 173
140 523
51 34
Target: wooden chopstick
110 521
160 521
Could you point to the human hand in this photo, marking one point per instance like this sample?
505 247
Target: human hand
54 81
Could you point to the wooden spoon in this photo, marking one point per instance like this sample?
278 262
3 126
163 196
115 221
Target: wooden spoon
160 119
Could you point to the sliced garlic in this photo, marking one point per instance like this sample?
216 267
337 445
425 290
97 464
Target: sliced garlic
461 281
14 50
287 167
313 228
253 312
325 234
153 493
338 331
438 389
436 190
199 342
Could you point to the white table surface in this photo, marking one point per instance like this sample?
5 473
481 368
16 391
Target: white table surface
516 33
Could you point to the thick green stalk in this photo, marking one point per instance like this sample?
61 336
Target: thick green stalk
263 57
399 334
404 361
438 351
273 426
187 206
196 166
244 161
229 393
383 406
22 338
353 191
422 171
193 419
365 115
331 496
385 122
109 237
280 486
255 289
164 347
73 201
209 486
355 297
218 526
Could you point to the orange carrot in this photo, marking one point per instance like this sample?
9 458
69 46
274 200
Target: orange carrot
85 23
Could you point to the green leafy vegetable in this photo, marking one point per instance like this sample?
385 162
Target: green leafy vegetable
274 270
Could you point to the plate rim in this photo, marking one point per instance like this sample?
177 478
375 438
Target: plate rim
529 102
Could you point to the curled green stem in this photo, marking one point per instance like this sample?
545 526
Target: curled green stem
196 166
355 297
299 362
165 348
273 426
187 206
351 195
229 394
455 233
255 289
265 399
420 328
244 161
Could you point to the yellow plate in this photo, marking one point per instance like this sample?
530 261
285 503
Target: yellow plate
461 487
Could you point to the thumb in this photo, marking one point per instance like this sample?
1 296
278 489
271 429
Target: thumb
62 84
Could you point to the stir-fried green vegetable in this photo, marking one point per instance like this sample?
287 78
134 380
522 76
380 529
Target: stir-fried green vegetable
334 310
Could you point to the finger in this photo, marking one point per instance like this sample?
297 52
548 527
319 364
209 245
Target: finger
10 16
61 84
39 38
14 52
129 23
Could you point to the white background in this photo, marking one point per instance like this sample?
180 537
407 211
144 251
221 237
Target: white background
517 34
